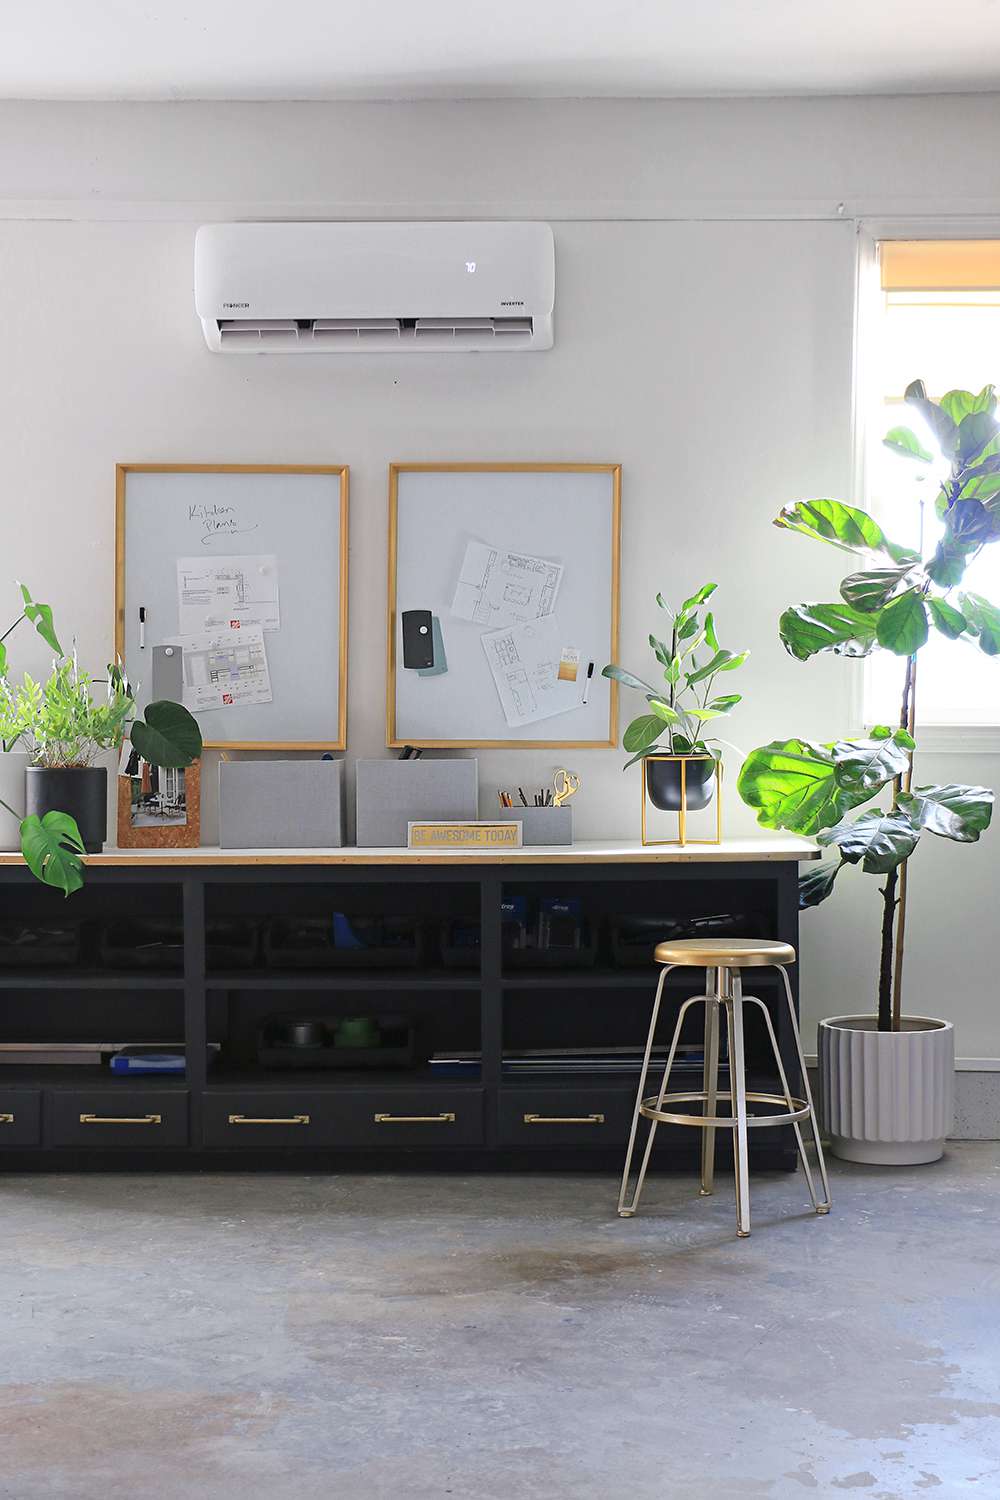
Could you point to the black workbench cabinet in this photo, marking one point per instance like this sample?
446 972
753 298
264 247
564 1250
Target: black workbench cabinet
478 995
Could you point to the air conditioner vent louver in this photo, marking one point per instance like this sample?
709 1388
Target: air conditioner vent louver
332 287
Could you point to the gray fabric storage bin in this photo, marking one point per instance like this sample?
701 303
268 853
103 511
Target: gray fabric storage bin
281 804
542 825
392 793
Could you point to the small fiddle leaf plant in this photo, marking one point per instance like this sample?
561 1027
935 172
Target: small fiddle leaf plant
63 724
892 602
690 659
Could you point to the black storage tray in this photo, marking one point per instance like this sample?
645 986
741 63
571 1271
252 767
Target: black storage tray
308 943
158 943
402 1053
40 945
634 938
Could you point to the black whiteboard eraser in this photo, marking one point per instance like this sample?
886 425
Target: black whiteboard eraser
418 639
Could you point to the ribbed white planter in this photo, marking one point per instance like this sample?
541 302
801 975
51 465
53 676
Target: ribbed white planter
887 1097
13 764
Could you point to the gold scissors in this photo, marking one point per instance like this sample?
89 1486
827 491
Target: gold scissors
566 785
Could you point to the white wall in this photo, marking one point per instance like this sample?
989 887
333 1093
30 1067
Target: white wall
704 331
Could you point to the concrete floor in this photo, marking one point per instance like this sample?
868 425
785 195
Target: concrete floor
166 1338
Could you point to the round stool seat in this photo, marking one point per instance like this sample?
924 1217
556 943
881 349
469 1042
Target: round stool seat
729 953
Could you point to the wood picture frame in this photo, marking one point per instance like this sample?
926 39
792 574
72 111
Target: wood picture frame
215 734
604 542
158 830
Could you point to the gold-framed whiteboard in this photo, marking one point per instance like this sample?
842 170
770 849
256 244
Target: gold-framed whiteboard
283 527
481 547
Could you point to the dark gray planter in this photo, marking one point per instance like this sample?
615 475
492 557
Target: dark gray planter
82 792
663 783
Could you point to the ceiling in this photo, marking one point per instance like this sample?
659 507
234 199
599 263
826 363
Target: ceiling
434 49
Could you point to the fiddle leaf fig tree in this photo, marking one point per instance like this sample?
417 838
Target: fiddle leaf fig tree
893 601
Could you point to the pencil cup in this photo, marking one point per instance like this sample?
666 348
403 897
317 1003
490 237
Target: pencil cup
541 825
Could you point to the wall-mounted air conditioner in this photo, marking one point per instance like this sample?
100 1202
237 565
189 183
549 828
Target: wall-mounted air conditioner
331 288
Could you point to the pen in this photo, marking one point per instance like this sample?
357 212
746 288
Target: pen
142 627
586 685
520 793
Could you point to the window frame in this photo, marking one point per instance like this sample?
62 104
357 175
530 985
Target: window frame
968 739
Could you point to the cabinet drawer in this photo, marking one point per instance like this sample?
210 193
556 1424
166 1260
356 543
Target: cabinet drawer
343 1118
586 1118
256 1120
117 1117
20 1117
412 1117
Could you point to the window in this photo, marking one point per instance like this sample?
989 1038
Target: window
937 319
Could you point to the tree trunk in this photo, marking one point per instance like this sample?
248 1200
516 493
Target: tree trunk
890 973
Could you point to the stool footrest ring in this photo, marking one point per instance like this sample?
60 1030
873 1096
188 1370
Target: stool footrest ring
650 1110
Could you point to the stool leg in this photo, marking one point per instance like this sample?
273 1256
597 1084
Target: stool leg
642 1086
789 1098
738 1088
824 1206
627 1210
710 1080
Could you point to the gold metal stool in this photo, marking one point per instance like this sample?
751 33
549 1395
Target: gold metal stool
723 959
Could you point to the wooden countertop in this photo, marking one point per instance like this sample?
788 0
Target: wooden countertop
731 851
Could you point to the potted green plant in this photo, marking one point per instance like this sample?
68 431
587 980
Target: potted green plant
677 712
62 728
13 759
887 1079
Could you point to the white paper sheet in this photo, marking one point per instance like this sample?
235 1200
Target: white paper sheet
524 661
503 587
213 591
224 668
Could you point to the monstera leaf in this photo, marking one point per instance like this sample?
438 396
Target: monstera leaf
167 735
842 526
51 847
806 629
879 841
954 811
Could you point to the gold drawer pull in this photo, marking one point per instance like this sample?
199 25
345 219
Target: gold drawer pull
443 1119
6 1119
263 1120
121 1119
564 1119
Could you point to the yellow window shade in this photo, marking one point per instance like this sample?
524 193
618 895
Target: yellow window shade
940 265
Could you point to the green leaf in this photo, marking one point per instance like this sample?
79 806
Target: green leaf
902 440
672 671
817 883
704 714
866 765
939 422
639 735
628 679
806 629
663 604
664 712
983 619
726 702
974 432
167 735
793 785
842 526
705 592
958 404
954 811
733 661
879 841
711 639
40 616
722 661
947 567
905 738
949 620
902 625
687 628
871 590
660 651
51 847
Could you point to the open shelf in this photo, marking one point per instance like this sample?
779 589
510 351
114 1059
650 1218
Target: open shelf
344 979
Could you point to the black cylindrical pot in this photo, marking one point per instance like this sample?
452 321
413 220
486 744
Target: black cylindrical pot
80 791
663 782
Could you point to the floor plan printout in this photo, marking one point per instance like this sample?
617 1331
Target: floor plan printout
503 587
224 668
213 592
524 661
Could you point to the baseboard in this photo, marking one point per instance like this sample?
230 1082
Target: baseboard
977 1097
